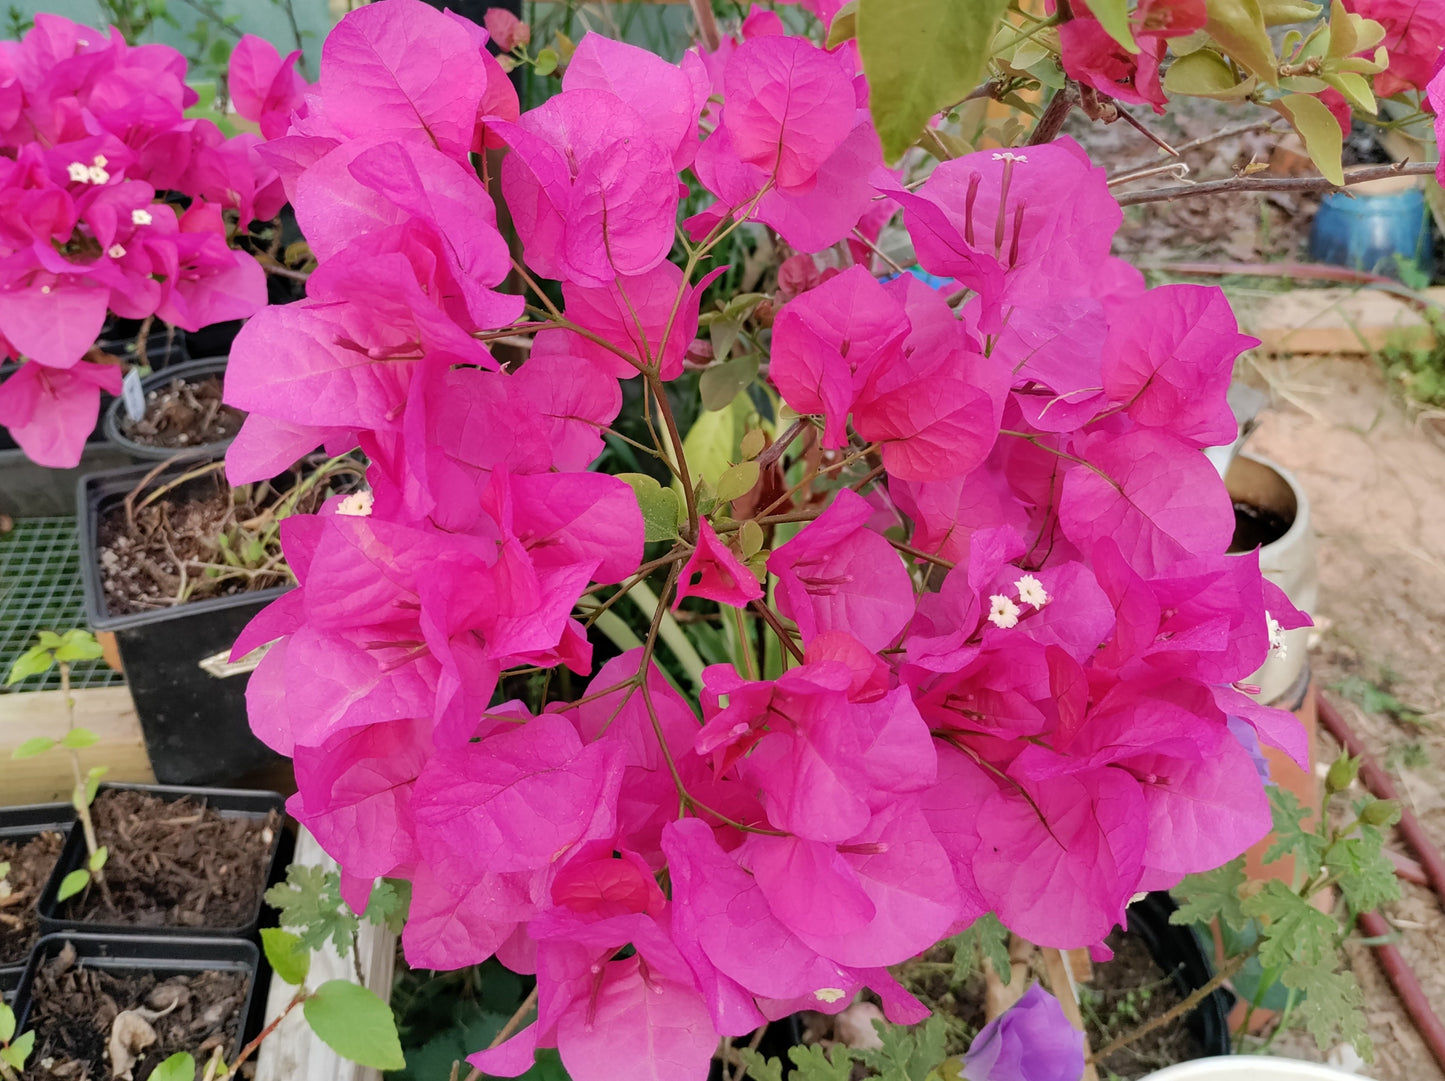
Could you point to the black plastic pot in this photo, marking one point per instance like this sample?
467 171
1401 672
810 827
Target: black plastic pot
1178 952
20 824
165 957
28 490
191 701
189 370
231 803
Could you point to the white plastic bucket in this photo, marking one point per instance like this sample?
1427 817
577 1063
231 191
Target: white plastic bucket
1250 1068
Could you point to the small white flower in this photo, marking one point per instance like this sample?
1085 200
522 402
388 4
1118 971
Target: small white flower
1031 591
1008 156
140 217
357 504
1004 613
829 994
115 251
78 172
45 289
97 174
1276 636
99 161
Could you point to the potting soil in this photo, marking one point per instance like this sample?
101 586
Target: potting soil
75 1009
185 414
31 861
175 864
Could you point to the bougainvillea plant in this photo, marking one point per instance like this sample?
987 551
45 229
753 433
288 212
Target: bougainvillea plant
709 715
114 202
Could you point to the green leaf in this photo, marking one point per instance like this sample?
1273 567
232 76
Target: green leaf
1280 12
988 936
1212 895
32 662
909 1053
310 903
31 747
1291 836
289 959
77 739
723 334
97 858
7 1023
1295 932
812 1065
389 903
77 645
1333 1005
1238 28
737 481
1113 16
179 1067
759 1068
921 56
715 440
1201 74
659 505
1366 876
1320 131
16 1054
72 884
722 383
92 782
356 1024
547 61
844 26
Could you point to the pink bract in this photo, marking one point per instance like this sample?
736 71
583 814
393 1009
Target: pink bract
1007 641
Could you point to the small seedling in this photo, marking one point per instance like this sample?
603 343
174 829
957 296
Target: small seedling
13 1050
61 650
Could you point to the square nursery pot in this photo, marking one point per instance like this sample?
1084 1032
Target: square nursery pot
190 699
230 803
1177 951
20 824
28 490
164 958
192 372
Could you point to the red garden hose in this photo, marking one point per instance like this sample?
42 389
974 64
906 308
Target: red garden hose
1372 924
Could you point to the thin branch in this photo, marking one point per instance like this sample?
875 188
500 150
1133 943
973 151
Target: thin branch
706 24
215 17
1205 140
513 1023
1052 122
1279 183
1233 965
1138 125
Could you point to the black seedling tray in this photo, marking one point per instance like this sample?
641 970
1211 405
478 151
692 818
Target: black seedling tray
231 803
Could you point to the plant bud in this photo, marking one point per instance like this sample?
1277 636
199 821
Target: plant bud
1384 812
1342 774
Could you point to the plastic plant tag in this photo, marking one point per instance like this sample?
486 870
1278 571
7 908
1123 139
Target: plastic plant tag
132 395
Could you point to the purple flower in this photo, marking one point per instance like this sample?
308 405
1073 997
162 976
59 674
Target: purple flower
1033 1041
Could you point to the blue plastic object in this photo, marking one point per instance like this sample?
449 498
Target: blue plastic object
1374 233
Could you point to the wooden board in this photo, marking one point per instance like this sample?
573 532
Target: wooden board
292 1052
106 711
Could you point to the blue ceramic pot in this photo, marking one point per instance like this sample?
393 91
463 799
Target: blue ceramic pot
1374 233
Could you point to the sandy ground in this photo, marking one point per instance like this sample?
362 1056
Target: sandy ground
1373 473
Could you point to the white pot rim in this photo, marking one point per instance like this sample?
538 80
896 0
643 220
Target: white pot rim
1249 1068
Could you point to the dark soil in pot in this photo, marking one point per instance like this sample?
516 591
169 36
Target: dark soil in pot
175 863
75 1009
185 413
1125 993
192 542
31 860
